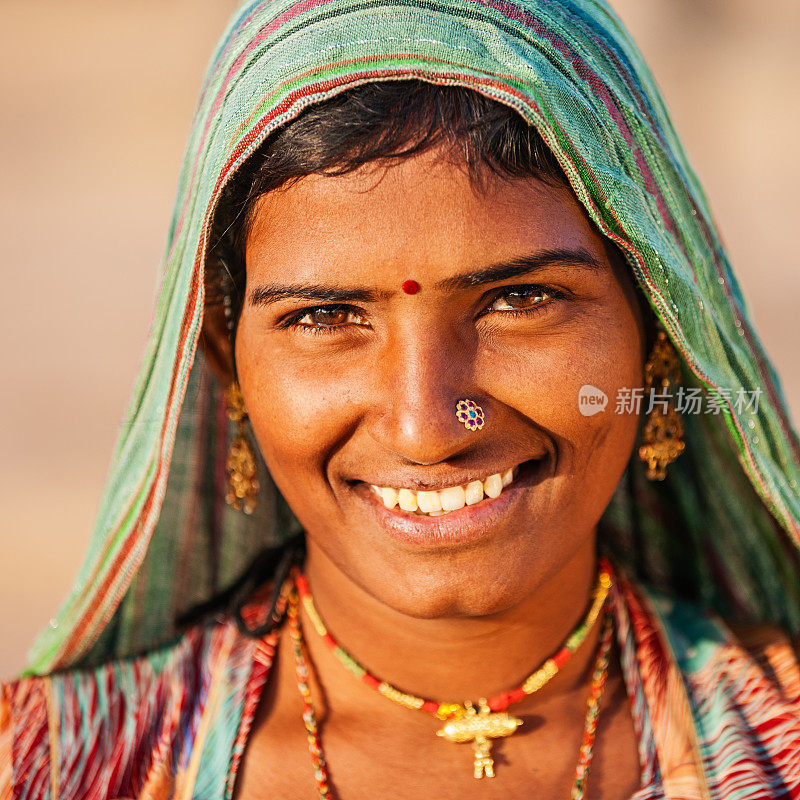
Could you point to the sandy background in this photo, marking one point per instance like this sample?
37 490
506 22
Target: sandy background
96 102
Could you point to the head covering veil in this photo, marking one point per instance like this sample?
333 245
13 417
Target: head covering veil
723 528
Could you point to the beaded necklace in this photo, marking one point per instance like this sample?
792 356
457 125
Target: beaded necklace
478 727
450 711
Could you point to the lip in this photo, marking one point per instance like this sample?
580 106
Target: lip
452 480
468 524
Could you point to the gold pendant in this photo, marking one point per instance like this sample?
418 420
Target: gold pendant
480 727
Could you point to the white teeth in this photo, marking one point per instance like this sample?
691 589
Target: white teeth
434 504
493 485
453 498
389 497
474 492
407 500
429 501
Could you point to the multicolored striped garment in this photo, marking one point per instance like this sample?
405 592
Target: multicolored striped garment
721 532
173 723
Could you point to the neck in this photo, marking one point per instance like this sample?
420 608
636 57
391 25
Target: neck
454 659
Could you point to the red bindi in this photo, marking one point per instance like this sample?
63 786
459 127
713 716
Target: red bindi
410 287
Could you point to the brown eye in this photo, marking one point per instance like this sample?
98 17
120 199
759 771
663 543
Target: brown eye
520 298
325 319
326 316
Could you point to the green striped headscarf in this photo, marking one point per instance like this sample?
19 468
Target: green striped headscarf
723 527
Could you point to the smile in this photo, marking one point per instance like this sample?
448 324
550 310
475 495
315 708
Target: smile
446 500
460 519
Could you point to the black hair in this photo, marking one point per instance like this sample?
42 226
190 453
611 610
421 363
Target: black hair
379 122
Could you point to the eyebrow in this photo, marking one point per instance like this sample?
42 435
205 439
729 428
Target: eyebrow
521 265
273 292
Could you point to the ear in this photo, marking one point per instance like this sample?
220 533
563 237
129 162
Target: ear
216 343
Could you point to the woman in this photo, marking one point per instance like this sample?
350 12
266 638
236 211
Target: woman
432 256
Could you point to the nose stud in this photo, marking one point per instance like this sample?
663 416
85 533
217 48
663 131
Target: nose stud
469 413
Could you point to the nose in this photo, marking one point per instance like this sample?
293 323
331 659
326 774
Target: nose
422 376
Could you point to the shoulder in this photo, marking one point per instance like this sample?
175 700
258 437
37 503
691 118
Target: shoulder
729 693
736 656
774 651
71 728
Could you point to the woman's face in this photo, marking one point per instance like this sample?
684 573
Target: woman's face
351 383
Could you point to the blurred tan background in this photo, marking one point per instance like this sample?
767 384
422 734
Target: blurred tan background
96 101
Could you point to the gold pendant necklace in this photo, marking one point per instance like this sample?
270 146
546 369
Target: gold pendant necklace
463 721
478 726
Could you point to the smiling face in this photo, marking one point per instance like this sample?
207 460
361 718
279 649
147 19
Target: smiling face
352 383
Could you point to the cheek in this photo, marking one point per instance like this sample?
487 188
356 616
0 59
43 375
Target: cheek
297 412
545 378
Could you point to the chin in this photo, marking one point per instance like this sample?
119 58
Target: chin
479 578
456 587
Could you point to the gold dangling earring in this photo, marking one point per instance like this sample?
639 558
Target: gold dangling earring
662 435
243 485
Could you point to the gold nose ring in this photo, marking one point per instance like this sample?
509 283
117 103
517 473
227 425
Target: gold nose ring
470 413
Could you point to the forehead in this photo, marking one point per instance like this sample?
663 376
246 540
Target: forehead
423 213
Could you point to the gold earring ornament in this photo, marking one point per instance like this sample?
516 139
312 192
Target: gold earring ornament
241 466
662 434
